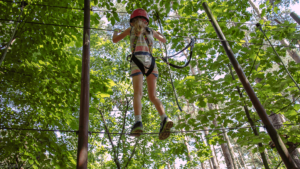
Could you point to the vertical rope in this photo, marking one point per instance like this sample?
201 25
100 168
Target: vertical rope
259 27
171 78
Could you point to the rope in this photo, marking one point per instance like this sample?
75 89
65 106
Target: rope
189 131
166 60
47 5
9 128
259 27
154 14
110 30
257 44
39 23
254 62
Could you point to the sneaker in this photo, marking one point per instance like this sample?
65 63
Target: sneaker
165 126
136 129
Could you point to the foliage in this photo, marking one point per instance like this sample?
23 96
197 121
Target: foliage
40 83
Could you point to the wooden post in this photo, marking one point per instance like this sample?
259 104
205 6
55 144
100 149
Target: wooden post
282 150
82 152
295 17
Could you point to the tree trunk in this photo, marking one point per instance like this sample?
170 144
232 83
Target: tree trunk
295 156
215 152
242 158
188 150
238 161
202 165
226 152
213 159
267 156
252 159
277 121
259 158
284 42
211 166
169 166
189 158
230 149
227 157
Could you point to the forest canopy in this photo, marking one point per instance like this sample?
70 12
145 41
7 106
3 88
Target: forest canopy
40 84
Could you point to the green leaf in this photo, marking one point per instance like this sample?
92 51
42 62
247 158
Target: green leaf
116 16
261 6
261 21
277 2
276 9
112 21
188 116
263 13
291 113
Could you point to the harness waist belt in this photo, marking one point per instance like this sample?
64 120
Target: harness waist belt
142 67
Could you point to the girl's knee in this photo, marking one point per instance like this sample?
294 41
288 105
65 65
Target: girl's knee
152 98
138 94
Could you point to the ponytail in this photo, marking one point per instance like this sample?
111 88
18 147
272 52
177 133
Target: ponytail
139 26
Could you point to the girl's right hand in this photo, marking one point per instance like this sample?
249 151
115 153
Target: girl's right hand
117 31
116 38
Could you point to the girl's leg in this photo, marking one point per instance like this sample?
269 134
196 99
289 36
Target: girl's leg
137 93
151 81
137 127
166 124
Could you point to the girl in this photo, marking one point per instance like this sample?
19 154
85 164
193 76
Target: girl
141 40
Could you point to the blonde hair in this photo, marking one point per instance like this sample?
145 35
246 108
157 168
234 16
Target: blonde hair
138 26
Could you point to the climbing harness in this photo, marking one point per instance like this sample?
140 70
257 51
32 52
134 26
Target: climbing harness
143 14
137 61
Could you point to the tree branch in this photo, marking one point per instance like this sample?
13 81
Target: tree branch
112 144
132 153
123 128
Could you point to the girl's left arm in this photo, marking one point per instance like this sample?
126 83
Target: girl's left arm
159 36
116 38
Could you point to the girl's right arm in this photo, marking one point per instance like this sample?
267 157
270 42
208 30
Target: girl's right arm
116 38
159 36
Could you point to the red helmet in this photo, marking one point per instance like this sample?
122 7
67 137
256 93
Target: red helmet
139 13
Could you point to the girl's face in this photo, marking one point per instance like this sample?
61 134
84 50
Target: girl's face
141 19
